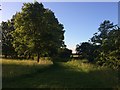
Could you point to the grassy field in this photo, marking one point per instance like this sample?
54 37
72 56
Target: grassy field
72 74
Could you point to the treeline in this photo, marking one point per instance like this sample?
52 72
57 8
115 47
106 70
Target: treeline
33 32
104 47
36 32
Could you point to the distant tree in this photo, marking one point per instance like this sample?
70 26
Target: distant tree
86 50
37 31
65 53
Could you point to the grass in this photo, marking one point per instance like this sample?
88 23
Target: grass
72 74
15 68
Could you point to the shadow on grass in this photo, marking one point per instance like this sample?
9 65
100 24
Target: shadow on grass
16 72
61 76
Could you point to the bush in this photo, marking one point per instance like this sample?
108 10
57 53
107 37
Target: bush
59 59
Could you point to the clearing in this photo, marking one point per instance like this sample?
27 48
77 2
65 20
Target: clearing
72 74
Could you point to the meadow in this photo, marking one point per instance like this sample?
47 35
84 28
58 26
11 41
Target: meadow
45 74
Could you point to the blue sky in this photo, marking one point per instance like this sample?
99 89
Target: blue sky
80 19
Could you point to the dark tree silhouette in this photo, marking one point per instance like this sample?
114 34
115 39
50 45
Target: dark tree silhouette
7 47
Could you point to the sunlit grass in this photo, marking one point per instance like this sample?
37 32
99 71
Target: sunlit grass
81 65
12 68
71 74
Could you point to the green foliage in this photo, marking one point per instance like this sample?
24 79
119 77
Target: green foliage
102 33
110 54
87 50
37 31
109 46
104 46
7 48
64 53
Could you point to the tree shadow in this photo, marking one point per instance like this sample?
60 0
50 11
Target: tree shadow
61 76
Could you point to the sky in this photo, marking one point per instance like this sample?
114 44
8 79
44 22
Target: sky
80 19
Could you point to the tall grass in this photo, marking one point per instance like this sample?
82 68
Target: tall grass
83 65
72 74
12 68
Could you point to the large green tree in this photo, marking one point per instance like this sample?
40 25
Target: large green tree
37 31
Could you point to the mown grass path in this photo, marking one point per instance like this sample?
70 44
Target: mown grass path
73 74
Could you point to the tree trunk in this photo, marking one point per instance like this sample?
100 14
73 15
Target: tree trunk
5 55
32 57
38 57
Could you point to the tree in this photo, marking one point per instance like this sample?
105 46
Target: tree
7 48
102 33
107 39
37 31
64 54
101 36
110 54
104 46
86 50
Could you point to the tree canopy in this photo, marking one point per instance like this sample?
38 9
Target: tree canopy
7 47
37 31
104 46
